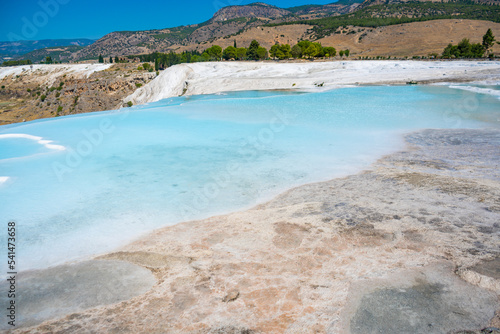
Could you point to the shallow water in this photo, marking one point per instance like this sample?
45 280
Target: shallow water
124 173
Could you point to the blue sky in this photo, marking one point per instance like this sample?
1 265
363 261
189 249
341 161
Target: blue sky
54 19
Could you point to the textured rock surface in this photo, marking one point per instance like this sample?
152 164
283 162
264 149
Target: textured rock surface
324 257
50 293
79 92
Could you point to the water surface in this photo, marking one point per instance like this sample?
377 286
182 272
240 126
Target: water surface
123 173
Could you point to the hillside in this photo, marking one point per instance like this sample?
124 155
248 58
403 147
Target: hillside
374 15
270 24
58 53
17 48
226 23
410 39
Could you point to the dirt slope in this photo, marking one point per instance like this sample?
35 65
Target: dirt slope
411 39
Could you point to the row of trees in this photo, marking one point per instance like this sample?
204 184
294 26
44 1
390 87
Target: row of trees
255 51
465 49
16 62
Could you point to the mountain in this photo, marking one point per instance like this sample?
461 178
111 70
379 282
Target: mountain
254 10
270 24
226 23
57 53
12 49
317 11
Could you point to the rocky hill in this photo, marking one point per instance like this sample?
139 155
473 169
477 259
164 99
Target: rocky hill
254 10
55 90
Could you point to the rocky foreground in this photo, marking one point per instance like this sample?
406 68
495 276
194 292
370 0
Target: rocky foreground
409 246
43 91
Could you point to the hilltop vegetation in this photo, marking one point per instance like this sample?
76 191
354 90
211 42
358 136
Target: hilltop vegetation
384 15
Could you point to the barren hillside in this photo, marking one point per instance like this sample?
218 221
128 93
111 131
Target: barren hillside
411 39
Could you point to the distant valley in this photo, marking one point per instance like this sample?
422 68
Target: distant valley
16 49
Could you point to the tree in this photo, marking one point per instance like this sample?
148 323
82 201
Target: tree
329 51
449 51
117 60
101 59
205 56
286 51
296 51
304 45
110 60
234 44
157 65
488 40
341 53
347 52
311 51
274 51
252 50
320 52
261 53
241 53
48 60
230 53
214 52
464 50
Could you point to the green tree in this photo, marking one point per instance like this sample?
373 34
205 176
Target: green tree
286 51
230 53
347 52
296 51
234 44
311 51
205 56
320 50
304 45
465 48
110 60
262 53
117 60
341 53
329 51
157 64
252 50
241 53
273 52
488 40
48 60
214 52
448 51
477 50
101 59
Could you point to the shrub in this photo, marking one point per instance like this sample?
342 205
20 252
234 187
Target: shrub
43 97
130 104
138 85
